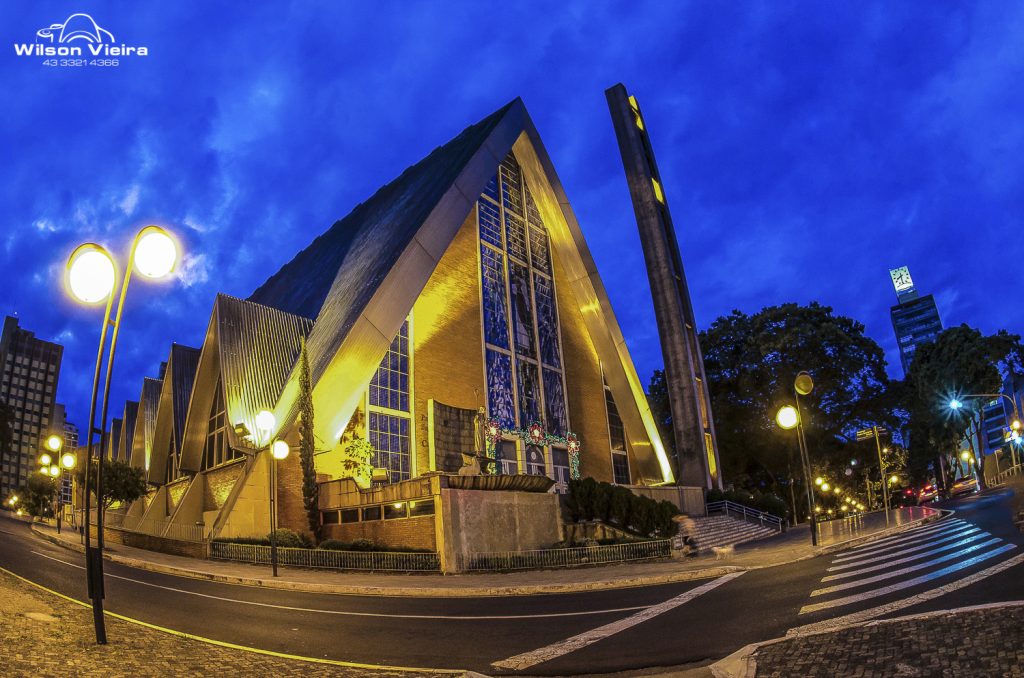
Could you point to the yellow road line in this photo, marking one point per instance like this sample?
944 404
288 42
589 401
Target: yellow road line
221 643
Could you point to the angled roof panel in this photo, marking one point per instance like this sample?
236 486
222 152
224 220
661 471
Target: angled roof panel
183 363
180 373
131 413
145 425
114 440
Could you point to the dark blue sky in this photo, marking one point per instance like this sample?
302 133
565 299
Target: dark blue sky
806 148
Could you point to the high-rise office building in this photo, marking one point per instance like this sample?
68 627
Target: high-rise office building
29 368
915 318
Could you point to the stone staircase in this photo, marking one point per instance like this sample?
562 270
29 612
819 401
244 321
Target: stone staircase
712 531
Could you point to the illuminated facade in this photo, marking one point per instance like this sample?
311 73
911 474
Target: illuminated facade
464 286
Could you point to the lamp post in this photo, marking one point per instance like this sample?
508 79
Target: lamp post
279 450
91 277
788 417
957 403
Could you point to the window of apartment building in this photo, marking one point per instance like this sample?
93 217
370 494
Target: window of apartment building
389 408
523 355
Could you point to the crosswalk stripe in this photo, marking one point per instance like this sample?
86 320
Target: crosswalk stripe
913 549
889 608
908 583
903 543
910 535
918 551
906 570
920 529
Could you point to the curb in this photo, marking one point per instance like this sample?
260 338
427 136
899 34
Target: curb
743 662
470 592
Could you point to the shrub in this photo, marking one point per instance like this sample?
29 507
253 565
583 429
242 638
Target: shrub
643 513
602 501
622 506
589 499
714 495
290 539
251 541
665 527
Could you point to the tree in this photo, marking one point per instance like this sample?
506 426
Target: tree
39 494
751 362
310 488
122 482
960 360
355 461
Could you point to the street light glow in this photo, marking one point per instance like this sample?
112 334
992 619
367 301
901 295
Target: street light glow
786 417
266 421
280 450
955 404
45 459
819 480
156 253
54 443
965 455
54 470
824 487
68 460
894 479
90 273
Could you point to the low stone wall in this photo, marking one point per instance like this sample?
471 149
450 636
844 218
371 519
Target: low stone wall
417 533
174 547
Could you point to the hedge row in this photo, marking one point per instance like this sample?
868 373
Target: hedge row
767 502
616 505
289 539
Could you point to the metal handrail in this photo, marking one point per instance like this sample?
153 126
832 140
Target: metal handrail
745 512
1006 474
564 557
328 558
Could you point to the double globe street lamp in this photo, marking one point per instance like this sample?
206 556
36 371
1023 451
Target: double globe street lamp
788 417
91 278
266 423
55 468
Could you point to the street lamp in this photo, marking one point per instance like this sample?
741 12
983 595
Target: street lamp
266 423
788 417
91 277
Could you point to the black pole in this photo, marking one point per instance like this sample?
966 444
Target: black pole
273 509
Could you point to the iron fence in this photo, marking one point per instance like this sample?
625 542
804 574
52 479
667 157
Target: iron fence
568 557
1004 476
328 558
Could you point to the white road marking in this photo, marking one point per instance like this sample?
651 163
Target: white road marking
912 532
888 608
896 549
362 614
908 583
918 551
915 536
549 652
906 570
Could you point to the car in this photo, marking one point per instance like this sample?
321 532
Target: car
963 486
928 493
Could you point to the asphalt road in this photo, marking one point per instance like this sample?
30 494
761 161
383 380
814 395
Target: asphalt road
594 632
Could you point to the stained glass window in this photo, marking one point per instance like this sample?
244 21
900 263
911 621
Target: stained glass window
539 251
389 435
532 213
529 392
515 236
560 467
547 321
511 185
495 318
506 454
499 388
620 468
490 223
522 310
535 460
554 403
389 387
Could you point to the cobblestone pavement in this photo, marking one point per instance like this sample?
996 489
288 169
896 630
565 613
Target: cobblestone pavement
43 635
974 643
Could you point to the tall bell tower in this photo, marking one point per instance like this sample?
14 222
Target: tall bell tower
696 449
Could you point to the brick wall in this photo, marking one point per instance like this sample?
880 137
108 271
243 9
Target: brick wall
291 512
447 340
149 542
415 532
219 483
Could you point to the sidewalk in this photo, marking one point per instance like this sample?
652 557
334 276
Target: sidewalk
43 635
788 547
986 640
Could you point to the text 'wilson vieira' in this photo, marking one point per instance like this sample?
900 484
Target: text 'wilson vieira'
25 49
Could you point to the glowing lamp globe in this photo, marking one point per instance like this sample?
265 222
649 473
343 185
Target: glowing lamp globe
965 455
955 404
824 487
819 480
54 443
156 253
266 421
803 384
786 417
68 460
54 470
90 274
45 459
280 450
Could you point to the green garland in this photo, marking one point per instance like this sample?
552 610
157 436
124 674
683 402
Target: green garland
534 434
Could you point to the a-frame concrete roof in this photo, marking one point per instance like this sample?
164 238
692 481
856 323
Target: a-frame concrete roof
145 424
386 250
173 407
